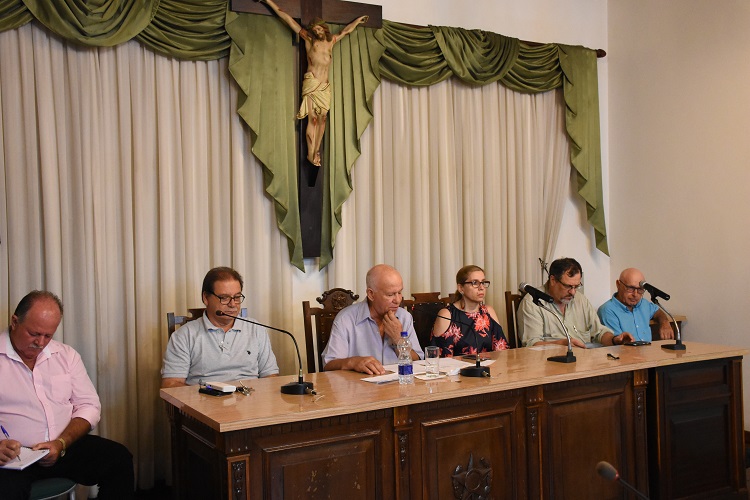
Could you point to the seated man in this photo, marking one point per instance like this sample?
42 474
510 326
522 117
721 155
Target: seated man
628 312
539 327
47 401
218 348
364 335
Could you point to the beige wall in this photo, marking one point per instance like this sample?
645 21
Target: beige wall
679 138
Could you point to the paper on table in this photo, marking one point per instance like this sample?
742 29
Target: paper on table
28 457
449 365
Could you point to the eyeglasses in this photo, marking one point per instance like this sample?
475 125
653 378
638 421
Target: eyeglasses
476 283
569 287
634 289
226 299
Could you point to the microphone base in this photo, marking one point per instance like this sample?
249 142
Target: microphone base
566 358
475 371
678 346
298 388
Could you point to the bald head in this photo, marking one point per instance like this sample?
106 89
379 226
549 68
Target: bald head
384 290
629 290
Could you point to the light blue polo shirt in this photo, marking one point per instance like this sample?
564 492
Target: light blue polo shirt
620 318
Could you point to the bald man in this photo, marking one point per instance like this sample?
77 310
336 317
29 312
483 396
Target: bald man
364 335
628 312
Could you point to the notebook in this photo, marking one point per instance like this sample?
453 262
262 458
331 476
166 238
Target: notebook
28 457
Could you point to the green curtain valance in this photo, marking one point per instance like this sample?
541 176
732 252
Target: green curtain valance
261 61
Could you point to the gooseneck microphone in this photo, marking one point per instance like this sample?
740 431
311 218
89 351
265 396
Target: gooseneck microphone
608 472
299 387
538 296
471 371
655 294
534 292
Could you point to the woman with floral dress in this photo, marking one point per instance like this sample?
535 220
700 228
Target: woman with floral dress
473 326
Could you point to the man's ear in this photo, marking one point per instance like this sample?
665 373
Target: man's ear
13 322
370 293
204 297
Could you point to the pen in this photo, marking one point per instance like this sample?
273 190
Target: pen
7 436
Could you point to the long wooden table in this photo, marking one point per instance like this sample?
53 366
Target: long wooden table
669 421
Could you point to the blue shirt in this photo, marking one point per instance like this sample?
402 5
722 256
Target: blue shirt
355 333
620 318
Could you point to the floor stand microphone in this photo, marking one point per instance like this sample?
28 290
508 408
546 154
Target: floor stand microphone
299 387
607 471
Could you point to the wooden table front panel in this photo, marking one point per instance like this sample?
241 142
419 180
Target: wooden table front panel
585 422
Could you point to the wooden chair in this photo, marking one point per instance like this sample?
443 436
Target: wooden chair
175 321
424 309
332 301
512 301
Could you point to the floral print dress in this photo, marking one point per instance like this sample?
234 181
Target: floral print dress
470 333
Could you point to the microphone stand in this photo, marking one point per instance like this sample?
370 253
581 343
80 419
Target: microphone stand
300 387
678 345
568 357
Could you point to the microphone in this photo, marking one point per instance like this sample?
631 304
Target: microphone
608 472
655 292
538 295
471 371
534 292
300 387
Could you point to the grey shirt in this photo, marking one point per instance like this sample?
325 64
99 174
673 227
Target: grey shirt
580 318
200 351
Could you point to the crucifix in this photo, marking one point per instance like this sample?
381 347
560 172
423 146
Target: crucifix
305 17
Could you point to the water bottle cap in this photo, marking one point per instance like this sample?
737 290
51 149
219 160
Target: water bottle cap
404 334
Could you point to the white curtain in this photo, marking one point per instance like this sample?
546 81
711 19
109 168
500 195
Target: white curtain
125 176
453 175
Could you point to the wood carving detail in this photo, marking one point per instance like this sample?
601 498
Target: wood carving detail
238 480
473 483
403 449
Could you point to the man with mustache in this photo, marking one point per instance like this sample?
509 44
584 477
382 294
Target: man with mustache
47 401
538 327
316 89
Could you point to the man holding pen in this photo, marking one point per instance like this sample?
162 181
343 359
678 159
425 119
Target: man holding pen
47 401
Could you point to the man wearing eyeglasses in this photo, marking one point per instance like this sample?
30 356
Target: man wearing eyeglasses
538 327
218 348
628 313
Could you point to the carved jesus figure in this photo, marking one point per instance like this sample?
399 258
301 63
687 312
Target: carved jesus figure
316 89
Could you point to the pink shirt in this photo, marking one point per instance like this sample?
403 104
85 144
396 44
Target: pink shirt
36 406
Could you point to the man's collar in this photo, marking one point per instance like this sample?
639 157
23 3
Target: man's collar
211 327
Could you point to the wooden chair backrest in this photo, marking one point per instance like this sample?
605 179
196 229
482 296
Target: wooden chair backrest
424 309
332 301
175 321
512 301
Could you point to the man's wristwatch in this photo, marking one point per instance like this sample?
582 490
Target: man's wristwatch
62 452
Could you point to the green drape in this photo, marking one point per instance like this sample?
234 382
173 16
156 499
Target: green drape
355 76
425 56
262 62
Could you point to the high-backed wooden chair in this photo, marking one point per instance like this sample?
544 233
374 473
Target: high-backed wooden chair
424 309
316 340
175 321
512 301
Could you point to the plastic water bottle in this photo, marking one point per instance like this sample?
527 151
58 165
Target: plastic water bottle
405 368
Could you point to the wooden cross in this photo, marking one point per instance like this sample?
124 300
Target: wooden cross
332 11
